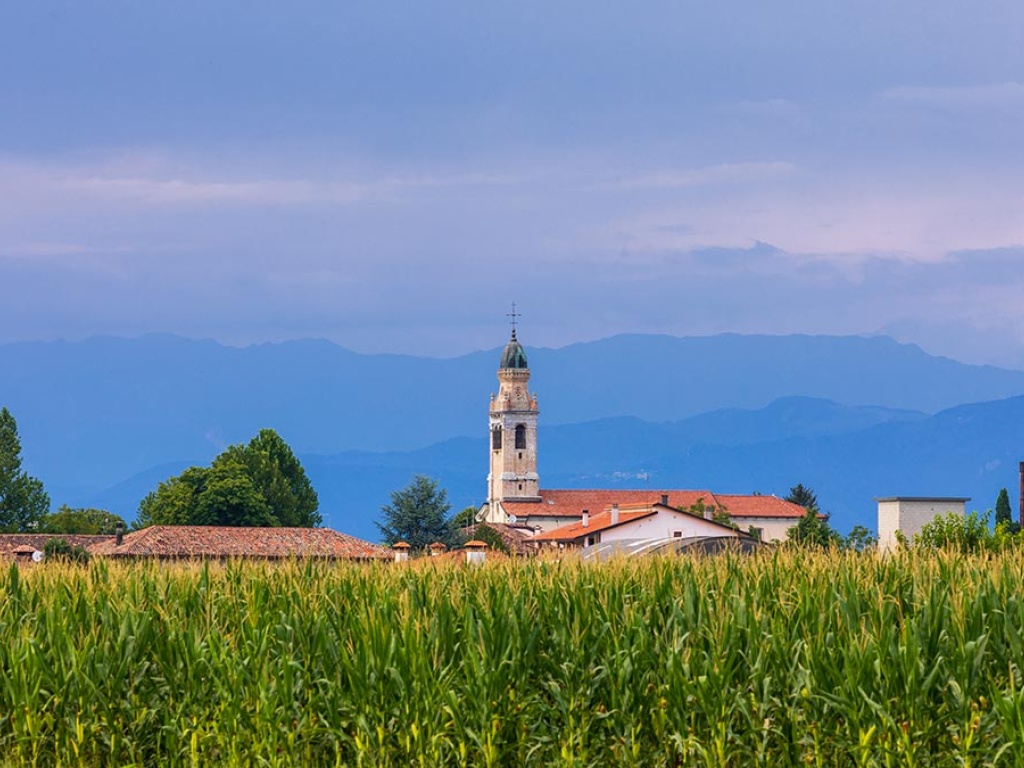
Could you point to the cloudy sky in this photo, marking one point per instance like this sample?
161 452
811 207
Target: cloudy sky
392 175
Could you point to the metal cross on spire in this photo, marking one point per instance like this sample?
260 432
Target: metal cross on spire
514 318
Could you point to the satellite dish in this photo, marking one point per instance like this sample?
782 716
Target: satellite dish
37 556
513 519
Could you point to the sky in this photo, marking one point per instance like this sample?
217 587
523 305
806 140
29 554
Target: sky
391 176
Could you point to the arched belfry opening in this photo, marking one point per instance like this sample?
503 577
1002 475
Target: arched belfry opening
520 437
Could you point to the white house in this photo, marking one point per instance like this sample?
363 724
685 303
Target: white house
648 521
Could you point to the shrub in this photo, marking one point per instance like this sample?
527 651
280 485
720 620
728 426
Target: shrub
59 549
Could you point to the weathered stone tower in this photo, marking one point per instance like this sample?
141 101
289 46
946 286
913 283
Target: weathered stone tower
513 443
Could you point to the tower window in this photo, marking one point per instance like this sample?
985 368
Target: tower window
496 439
520 435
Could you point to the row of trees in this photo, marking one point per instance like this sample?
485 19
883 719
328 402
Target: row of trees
260 483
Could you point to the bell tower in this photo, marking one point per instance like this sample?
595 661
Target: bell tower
513 439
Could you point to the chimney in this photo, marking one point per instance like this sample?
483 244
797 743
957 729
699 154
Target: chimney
401 552
586 518
709 513
119 533
615 514
664 499
476 552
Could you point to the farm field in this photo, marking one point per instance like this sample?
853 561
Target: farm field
787 658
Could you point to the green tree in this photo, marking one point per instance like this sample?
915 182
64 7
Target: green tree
967 533
859 539
1004 514
279 478
223 494
174 500
465 518
813 530
81 521
59 549
258 484
491 538
417 515
803 497
23 502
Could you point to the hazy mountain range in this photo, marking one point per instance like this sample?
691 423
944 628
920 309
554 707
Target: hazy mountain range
103 420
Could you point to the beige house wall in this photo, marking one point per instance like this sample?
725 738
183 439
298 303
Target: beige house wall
772 528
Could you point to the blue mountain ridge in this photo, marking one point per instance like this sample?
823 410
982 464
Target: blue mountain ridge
95 412
849 455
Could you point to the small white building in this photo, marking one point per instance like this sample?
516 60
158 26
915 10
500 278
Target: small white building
909 514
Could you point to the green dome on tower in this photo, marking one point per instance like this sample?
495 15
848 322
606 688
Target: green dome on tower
514 355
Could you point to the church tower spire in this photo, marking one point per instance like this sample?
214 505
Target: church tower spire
513 424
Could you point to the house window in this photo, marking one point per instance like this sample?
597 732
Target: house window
757 533
496 439
520 435
677 534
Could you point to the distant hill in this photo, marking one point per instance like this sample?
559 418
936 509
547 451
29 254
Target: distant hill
92 413
849 455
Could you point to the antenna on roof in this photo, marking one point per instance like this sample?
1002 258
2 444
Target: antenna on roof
514 318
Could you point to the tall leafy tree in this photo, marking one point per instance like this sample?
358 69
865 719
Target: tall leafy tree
417 515
279 478
23 501
258 484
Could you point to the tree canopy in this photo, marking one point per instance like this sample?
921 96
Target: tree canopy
261 483
417 516
813 529
81 521
23 501
1004 513
802 496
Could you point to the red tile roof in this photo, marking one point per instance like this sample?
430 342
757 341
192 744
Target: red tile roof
760 506
198 541
598 522
571 503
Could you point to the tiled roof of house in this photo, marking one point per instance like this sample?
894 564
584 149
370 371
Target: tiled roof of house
627 514
598 522
571 503
760 506
198 541
11 541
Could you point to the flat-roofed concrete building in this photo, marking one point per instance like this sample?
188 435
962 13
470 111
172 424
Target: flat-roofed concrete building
909 514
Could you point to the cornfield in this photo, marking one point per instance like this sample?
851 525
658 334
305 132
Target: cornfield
781 659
